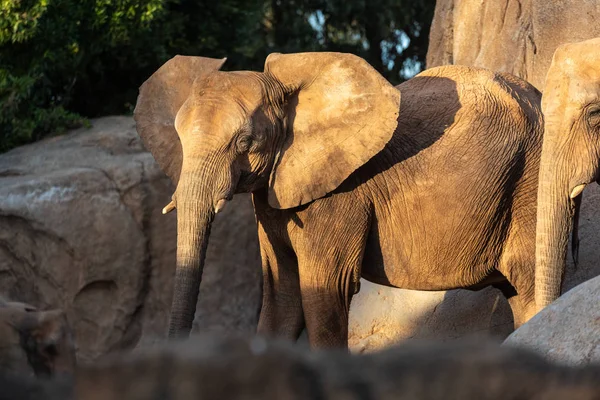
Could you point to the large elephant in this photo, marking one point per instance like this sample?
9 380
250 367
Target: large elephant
570 156
433 192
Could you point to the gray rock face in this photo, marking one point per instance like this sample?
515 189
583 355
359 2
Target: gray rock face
516 36
81 229
568 330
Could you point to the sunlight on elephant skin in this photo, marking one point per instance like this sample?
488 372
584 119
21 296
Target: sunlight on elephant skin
381 316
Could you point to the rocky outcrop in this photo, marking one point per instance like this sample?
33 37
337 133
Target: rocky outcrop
516 36
568 330
81 229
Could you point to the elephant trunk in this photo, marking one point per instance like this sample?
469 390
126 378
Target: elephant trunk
555 212
195 214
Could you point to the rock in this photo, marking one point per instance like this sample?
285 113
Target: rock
222 367
568 330
81 229
34 342
381 316
516 36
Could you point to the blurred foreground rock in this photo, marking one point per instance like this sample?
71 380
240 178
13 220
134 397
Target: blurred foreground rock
219 367
81 229
568 330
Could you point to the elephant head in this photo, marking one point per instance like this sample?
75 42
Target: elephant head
296 130
570 157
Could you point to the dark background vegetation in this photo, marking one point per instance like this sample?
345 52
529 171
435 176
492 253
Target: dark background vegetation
62 61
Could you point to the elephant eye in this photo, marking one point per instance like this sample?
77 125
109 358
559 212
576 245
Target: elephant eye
243 143
594 116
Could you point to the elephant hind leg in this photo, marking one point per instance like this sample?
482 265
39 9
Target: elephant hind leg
522 305
518 266
522 308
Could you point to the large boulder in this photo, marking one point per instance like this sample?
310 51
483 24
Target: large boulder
566 331
516 36
81 229
381 316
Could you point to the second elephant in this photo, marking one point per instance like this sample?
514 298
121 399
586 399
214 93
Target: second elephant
428 186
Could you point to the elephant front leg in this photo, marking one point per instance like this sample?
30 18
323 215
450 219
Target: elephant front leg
281 313
328 282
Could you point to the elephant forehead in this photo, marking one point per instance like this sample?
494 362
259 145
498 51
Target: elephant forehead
583 91
219 104
573 80
215 118
580 60
242 86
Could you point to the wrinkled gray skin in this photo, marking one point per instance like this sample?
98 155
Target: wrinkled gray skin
441 197
214 368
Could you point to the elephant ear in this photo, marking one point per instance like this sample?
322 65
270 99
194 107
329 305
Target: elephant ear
340 114
160 97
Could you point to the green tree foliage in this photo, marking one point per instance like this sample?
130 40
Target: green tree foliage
391 34
64 59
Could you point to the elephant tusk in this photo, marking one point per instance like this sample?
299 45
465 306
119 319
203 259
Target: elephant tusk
577 190
169 207
220 205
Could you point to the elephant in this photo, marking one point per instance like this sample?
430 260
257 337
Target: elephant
430 185
35 342
235 368
570 158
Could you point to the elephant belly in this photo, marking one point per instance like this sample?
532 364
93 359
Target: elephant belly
438 248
